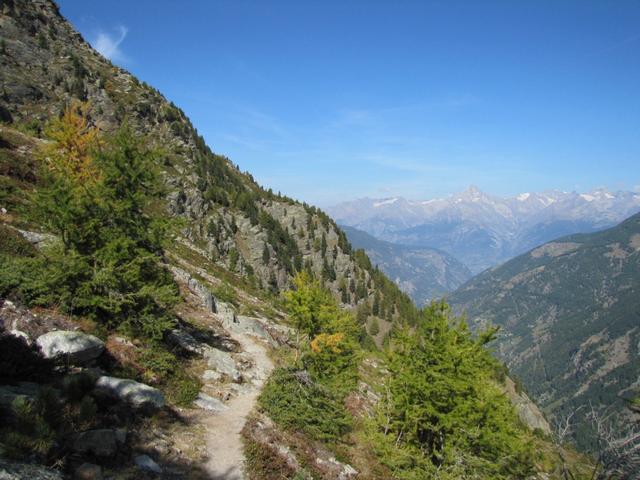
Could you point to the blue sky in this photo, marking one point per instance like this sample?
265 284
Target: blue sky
334 100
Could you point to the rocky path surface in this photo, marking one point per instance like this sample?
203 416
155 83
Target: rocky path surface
223 437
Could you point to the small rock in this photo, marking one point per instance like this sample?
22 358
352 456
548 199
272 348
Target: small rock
339 470
347 472
135 393
88 471
223 362
77 347
102 443
144 462
185 341
37 238
211 376
207 402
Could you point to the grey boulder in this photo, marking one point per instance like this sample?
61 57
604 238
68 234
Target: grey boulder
76 347
145 462
185 341
207 402
223 362
134 393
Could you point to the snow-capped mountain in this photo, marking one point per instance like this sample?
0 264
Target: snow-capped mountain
482 230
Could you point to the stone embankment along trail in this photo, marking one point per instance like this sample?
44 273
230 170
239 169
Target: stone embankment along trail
223 437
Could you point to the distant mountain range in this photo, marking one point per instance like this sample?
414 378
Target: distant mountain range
423 273
569 313
482 230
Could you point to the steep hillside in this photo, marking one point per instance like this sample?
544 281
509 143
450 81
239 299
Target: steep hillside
482 230
425 274
570 317
257 235
163 316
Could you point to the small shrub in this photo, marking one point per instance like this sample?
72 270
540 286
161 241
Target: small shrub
305 406
183 388
29 433
157 361
75 387
264 462
226 293
14 244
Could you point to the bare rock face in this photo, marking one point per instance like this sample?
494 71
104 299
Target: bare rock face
76 347
135 393
528 411
197 288
203 293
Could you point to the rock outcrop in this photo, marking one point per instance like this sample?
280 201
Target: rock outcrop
146 463
134 393
197 288
74 347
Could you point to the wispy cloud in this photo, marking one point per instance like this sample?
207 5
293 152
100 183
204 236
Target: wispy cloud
264 122
108 44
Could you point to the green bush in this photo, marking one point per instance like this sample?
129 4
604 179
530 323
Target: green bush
157 361
443 411
305 406
264 462
29 432
374 328
12 243
161 365
98 203
183 388
226 293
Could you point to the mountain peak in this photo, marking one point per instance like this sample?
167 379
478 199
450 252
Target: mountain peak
472 193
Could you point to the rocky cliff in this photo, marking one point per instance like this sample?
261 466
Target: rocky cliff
258 236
